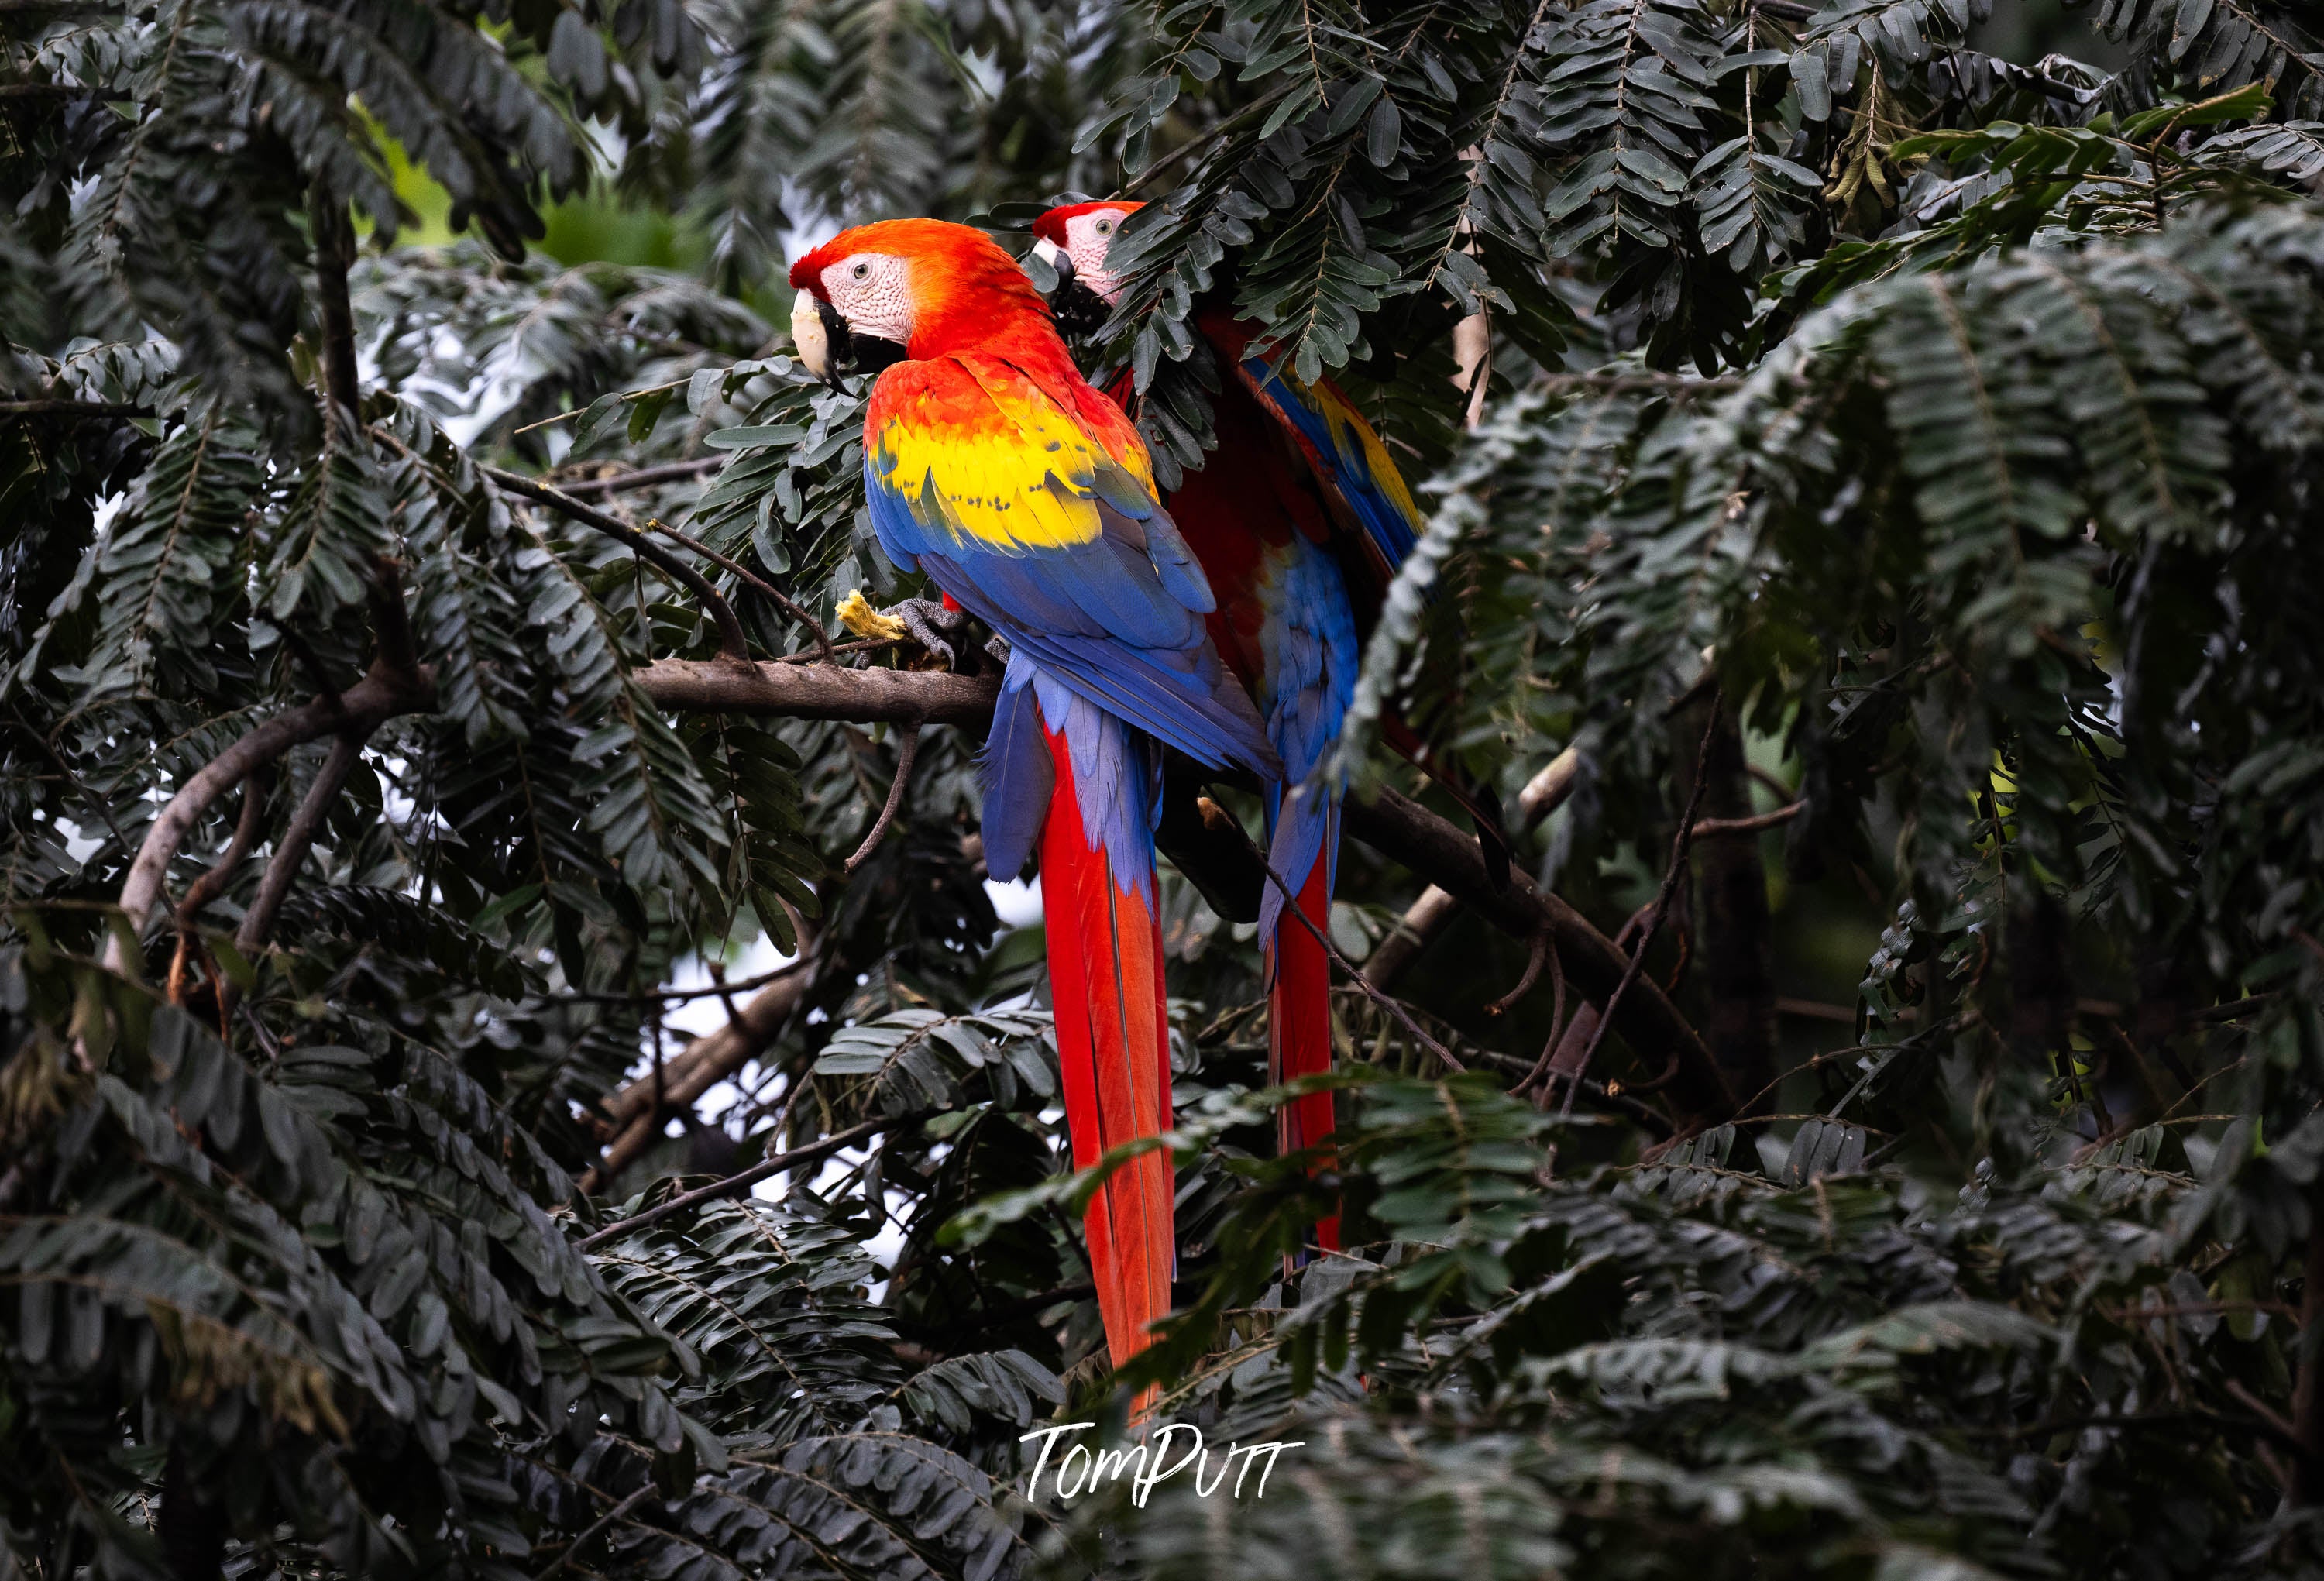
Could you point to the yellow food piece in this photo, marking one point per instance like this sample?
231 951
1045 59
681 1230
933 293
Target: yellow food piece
856 614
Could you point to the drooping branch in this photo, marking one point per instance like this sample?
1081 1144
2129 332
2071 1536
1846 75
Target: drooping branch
334 255
758 585
290 851
380 695
905 753
1731 924
212 884
1660 908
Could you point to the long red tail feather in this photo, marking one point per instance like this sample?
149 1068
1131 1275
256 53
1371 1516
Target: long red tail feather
1299 1026
1105 976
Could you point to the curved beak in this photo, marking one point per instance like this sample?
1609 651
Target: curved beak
1057 259
811 336
828 348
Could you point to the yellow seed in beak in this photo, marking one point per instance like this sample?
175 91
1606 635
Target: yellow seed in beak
808 338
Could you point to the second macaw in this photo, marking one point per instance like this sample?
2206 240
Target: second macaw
1028 497
1300 518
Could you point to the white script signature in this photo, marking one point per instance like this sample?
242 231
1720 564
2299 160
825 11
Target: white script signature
1147 1463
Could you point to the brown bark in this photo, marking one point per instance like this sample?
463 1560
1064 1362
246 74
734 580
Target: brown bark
290 851
822 692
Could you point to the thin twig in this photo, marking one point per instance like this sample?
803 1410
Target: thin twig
756 583
1541 1067
1670 385
1535 955
754 1174
1679 843
644 477
596 1529
732 643
908 749
669 996
626 395
1388 1002
375 697
1709 828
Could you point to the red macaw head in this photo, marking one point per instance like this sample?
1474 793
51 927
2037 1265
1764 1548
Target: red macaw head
1074 240
902 289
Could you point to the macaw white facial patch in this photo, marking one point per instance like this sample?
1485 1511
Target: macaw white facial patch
874 292
1088 236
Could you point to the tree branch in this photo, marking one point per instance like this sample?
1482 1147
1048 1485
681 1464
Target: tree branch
638 1110
756 583
1391 824
212 884
905 753
822 692
1730 913
1646 1020
334 255
1633 967
1757 823
79 410
732 645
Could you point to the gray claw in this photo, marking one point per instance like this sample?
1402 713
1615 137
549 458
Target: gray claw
932 626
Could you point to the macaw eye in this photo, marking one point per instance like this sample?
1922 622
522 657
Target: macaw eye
862 271
1105 228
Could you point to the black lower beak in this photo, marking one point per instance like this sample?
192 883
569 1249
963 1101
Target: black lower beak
843 343
850 350
1080 312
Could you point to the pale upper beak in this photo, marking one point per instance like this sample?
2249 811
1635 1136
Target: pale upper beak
808 337
1056 258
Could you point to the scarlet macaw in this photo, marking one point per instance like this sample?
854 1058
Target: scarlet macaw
989 464
1300 518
